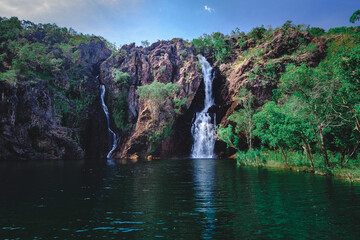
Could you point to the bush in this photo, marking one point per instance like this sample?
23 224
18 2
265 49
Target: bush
257 33
9 76
337 30
215 43
316 32
122 78
179 104
157 92
120 113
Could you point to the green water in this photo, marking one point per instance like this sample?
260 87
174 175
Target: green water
172 199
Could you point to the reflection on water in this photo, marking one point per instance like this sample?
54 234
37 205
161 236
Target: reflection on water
204 180
173 199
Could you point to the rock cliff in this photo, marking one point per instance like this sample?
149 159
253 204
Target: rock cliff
61 117
56 118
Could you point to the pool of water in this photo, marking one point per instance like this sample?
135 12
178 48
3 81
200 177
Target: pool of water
172 199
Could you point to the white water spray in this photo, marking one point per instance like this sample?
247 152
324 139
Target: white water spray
106 111
203 130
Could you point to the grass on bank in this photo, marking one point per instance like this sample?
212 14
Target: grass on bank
297 161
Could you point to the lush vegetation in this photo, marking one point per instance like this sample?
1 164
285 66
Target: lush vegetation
161 97
312 120
157 92
37 50
214 43
120 103
46 55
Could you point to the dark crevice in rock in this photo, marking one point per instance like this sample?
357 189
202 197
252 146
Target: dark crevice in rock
182 126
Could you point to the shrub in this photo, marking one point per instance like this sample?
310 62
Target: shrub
120 113
311 47
8 76
337 30
157 92
179 104
316 32
215 43
257 33
122 78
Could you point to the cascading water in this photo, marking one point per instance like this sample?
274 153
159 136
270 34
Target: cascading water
203 128
106 111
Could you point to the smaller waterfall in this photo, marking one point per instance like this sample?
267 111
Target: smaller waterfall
203 128
106 111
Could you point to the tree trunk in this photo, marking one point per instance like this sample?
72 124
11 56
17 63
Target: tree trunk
342 158
323 147
308 150
283 153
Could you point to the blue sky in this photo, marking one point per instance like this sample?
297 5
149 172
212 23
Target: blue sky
126 21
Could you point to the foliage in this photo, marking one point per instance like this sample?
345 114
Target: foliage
122 78
337 30
242 120
316 31
157 92
62 110
156 136
120 112
180 104
244 117
257 33
241 41
237 33
355 16
227 135
314 118
37 50
215 43
32 58
288 24
9 76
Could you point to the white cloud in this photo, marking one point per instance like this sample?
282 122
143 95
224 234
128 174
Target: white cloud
209 9
76 13
86 16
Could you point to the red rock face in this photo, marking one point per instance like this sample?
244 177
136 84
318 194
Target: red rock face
279 50
166 62
163 131
173 61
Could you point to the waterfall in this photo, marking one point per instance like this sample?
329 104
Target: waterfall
203 128
106 111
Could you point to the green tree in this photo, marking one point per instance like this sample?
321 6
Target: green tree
312 93
120 112
227 135
277 127
215 44
159 94
355 16
257 33
32 58
122 78
244 117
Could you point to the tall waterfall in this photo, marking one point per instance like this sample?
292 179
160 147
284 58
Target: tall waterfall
106 111
203 128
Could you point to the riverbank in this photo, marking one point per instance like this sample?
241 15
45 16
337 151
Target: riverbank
299 163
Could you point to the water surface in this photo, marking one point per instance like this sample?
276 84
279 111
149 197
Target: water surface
172 199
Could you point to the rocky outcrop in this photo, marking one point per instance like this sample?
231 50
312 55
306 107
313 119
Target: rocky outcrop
28 128
58 118
63 118
166 62
259 67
